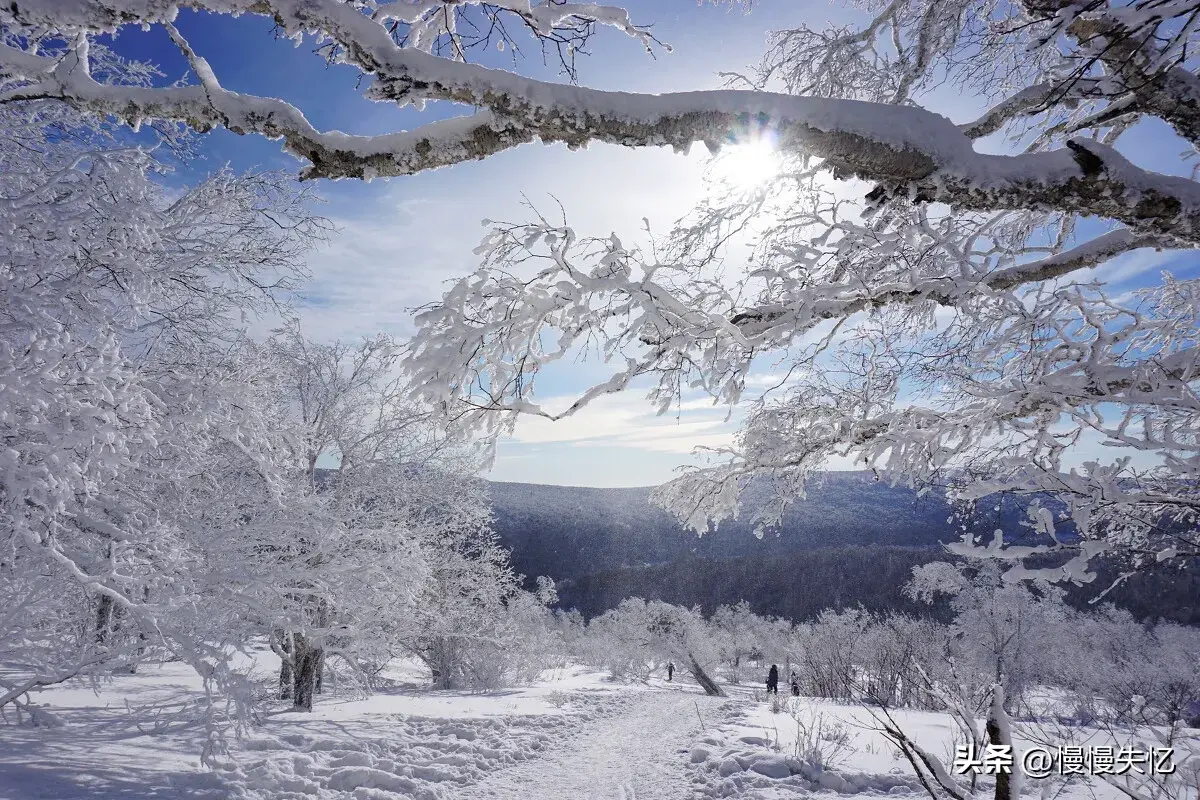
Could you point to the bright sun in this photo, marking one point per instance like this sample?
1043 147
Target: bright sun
746 166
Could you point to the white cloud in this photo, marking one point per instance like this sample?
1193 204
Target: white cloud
616 441
401 247
594 465
628 419
414 236
1136 265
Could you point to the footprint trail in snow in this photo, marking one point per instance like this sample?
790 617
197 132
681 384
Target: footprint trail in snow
631 755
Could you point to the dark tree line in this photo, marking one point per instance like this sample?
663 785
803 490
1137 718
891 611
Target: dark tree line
798 586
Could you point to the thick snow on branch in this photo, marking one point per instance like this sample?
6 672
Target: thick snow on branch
904 147
971 344
1028 362
952 326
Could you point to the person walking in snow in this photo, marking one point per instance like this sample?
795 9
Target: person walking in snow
795 686
670 669
773 680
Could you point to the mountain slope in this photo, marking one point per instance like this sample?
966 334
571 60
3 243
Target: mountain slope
853 541
568 531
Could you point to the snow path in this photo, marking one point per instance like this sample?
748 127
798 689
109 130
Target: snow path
639 753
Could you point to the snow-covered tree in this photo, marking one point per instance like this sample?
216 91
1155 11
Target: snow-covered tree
46 634
944 325
617 641
1002 633
387 549
903 654
112 287
472 625
740 632
113 293
830 652
1120 671
386 505
637 634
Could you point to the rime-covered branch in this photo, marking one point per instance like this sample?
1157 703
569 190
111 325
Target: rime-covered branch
941 290
952 325
905 148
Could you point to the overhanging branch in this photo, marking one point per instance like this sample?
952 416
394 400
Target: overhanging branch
904 148
943 291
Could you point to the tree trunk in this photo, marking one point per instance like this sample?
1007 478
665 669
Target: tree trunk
441 658
1003 779
318 653
105 619
285 666
706 683
999 732
304 684
142 638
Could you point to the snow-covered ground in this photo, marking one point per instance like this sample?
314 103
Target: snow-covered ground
758 752
572 735
407 742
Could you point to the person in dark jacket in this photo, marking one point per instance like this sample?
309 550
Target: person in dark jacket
670 669
773 680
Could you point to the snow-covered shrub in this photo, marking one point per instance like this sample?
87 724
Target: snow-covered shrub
1003 632
471 623
879 659
900 654
829 653
619 642
1106 659
1174 690
820 741
120 303
512 648
741 634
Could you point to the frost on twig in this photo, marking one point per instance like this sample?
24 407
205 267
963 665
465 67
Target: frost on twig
952 329
903 147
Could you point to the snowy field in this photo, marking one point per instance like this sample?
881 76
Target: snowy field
759 751
573 734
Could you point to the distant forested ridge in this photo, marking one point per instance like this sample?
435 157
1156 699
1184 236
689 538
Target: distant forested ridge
569 531
853 541
798 586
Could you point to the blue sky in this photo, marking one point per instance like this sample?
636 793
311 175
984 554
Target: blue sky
401 239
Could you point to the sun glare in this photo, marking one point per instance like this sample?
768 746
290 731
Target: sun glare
746 166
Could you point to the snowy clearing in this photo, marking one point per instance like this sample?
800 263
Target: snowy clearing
758 752
638 752
406 743
573 734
